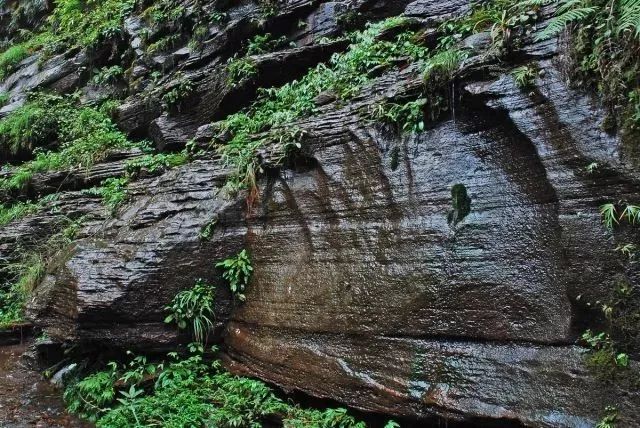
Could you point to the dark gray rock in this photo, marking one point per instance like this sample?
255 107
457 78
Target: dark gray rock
116 282
478 41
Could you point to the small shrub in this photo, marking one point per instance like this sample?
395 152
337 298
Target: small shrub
508 22
192 392
17 211
163 44
592 168
605 38
26 276
345 74
74 23
166 13
4 99
23 276
194 308
218 17
198 37
237 271
441 66
34 124
301 418
84 134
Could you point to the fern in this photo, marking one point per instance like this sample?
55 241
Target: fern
531 4
566 14
625 14
629 17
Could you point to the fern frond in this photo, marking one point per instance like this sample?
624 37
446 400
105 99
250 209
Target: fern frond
566 5
629 17
529 4
560 22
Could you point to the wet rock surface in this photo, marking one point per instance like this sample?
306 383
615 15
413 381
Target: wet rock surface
26 398
119 270
371 286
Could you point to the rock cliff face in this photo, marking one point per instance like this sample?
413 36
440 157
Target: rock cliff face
370 286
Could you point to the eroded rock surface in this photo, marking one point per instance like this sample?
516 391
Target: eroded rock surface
371 287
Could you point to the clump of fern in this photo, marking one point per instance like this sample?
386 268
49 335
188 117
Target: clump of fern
604 50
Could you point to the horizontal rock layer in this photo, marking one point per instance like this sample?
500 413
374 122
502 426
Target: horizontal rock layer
370 286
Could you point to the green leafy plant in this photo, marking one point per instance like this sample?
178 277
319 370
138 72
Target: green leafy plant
198 37
218 17
605 39
568 11
90 396
264 43
344 76
524 76
154 163
508 22
441 66
190 391
84 134
592 168
17 211
72 24
32 125
113 191
4 99
237 271
207 231
613 214
609 418
178 91
194 308
163 44
23 276
240 69
409 116
603 357
108 75
27 274
301 418
439 72
10 58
